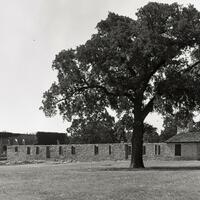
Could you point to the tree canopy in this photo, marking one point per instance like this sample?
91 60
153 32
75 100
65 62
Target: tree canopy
50 138
104 129
98 129
134 66
150 134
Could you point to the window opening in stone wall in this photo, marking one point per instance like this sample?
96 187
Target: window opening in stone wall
47 152
177 149
157 149
37 150
16 149
4 148
73 150
28 150
60 150
110 150
127 151
144 150
96 150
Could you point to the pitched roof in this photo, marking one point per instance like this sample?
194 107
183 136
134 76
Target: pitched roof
185 137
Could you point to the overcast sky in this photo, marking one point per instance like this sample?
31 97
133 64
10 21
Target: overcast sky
32 33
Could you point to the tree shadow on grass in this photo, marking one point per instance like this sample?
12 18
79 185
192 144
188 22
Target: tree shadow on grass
153 168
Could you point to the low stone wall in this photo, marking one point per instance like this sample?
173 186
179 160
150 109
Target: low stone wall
77 152
97 152
158 151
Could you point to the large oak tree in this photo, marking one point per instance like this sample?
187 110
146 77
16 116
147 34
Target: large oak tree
134 66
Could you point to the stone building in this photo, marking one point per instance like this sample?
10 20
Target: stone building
183 146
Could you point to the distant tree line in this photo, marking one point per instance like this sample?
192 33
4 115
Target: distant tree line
102 128
107 131
51 138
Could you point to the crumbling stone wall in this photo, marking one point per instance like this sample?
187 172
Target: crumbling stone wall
163 152
80 152
98 152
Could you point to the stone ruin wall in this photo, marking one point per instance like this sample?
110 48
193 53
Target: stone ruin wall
82 152
86 152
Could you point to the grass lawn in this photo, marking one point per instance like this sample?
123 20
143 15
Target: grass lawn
101 180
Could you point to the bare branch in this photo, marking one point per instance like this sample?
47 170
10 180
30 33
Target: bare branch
59 100
149 107
148 76
191 67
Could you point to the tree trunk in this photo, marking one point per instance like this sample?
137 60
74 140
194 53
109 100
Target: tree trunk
137 143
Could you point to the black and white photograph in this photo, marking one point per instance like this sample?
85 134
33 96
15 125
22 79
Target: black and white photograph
100 100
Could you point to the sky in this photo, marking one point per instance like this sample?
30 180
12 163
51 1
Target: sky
32 33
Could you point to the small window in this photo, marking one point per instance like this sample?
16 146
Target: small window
73 150
177 149
144 150
28 150
48 154
129 150
157 149
96 150
110 150
16 149
60 150
37 150
126 151
4 148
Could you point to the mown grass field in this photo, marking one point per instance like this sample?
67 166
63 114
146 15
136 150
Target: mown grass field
100 181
